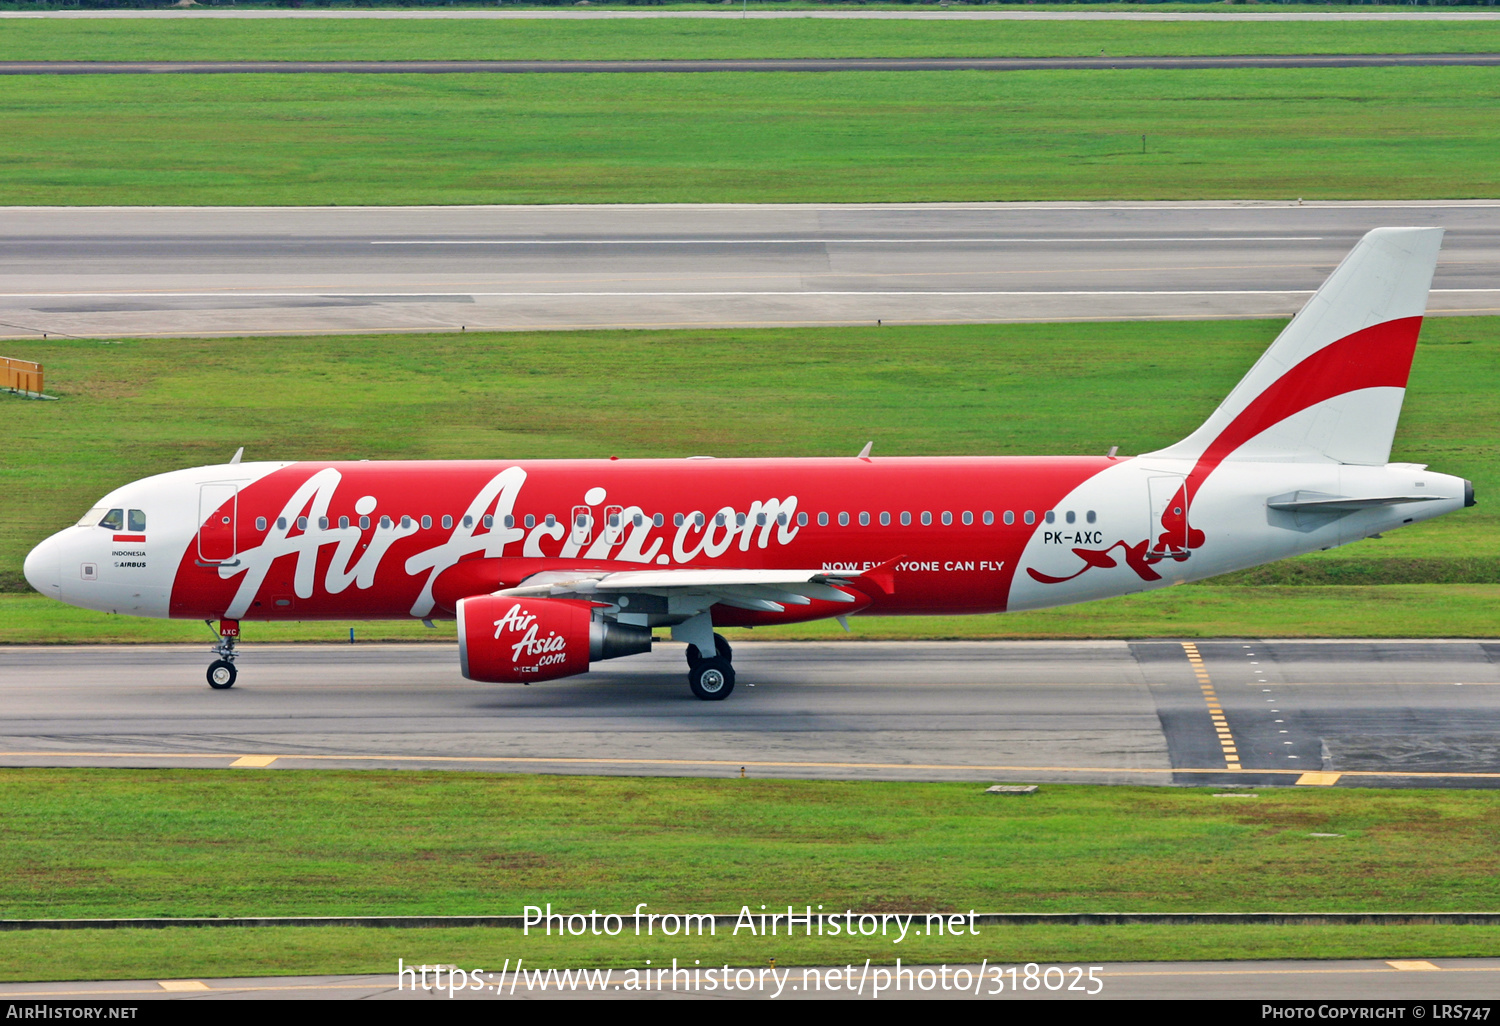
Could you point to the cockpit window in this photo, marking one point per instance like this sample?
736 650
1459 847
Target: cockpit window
137 520
114 520
91 518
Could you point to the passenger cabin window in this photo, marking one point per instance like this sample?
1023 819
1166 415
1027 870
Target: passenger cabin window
386 523
801 519
1009 518
322 523
905 518
364 523
136 520
550 520
781 519
489 521
281 523
947 518
822 519
968 518
1051 517
260 523
1030 517
406 523
698 519
114 520
1070 516
509 521
885 519
989 517
343 523
448 521
658 519
864 520
426 523
530 520
1091 516
719 520
677 520
926 518
843 520
739 519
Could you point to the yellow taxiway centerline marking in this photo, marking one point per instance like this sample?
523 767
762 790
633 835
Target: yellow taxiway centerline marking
182 985
1215 708
253 761
1415 965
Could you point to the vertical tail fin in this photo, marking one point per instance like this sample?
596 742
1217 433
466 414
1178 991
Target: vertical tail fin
1331 385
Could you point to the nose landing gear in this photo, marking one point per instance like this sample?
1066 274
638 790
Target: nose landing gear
221 672
711 679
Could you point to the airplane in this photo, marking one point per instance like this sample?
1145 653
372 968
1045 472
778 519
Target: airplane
551 565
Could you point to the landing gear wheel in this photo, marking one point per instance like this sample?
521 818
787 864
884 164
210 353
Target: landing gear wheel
722 648
711 679
221 674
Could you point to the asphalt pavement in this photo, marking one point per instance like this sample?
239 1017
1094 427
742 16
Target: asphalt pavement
1445 980
1344 713
102 272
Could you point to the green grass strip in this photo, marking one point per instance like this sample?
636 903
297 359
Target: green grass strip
1416 133
107 843
697 38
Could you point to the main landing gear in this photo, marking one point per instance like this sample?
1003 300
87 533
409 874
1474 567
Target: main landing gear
711 679
221 672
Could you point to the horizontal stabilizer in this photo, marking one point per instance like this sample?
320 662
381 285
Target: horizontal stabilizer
1313 502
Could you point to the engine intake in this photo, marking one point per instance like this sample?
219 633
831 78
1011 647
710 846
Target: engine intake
519 640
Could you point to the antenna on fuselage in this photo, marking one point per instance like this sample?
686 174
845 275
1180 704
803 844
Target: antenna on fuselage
237 454
864 453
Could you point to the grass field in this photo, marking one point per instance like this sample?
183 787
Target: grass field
183 843
138 407
323 39
1391 133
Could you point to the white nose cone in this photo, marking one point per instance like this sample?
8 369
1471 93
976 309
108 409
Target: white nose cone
43 569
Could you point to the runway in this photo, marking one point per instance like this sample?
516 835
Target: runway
1442 979
802 64
105 272
1332 713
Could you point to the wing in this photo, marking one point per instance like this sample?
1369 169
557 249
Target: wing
686 592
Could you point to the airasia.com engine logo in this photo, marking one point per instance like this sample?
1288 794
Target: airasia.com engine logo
501 638
539 651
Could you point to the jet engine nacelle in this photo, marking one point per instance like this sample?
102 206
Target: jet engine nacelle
519 640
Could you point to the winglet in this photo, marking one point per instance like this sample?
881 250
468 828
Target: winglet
864 453
882 576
